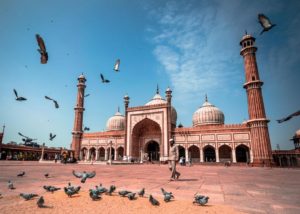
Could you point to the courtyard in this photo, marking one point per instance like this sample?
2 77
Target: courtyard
230 189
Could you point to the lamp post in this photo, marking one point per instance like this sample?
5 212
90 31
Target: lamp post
110 159
42 157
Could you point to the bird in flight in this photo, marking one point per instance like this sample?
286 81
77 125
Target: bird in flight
297 113
103 79
26 139
86 129
265 23
42 50
55 102
52 136
117 65
19 98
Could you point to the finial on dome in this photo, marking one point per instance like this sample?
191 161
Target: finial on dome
206 100
118 109
246 32
157 89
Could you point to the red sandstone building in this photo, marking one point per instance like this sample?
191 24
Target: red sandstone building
144 131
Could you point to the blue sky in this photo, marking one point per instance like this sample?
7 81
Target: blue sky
191 46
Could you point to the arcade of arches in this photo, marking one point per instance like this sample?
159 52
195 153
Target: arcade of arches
101 154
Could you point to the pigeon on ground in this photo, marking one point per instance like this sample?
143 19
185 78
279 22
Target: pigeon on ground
51 136
19 98
117 65
123 193
101 189
40 202
153 201
46 175
54 101
42 50
200 199
297 113
103 79
168 197
141 192
131 196
21 174
70 187
10 185
84 175
112 188
165 192
95 195
71 192
265 23
51 188
28 196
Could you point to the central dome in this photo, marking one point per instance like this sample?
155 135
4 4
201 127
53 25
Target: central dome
208 114
157 99
116 122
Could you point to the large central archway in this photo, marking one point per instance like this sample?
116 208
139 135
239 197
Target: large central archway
152 149
143 130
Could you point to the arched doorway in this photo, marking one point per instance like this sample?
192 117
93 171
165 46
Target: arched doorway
209 154
92 154
152 148
225 153
83 153
181 151
120 152
144 129
242 153
112 154
194 153
101 154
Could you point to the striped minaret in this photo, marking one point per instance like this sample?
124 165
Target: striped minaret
258 123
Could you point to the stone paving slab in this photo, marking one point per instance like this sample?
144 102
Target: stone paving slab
251 190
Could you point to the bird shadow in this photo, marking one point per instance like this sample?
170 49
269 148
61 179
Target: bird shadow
47 207
75 196
188 179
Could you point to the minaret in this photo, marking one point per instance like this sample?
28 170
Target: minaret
169 116
77 129
258 123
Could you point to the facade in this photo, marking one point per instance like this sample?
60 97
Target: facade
143 133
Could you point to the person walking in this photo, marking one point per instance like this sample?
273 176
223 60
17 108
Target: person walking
173 157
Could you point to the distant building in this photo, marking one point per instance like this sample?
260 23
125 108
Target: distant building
143 133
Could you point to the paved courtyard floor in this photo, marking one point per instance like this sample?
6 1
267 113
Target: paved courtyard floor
244 189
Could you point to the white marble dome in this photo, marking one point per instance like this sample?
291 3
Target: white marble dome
116 122
208 114
157 99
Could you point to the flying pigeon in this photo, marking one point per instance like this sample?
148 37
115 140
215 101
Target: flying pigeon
123 193
265 23
86 95
52 136
26 139
103 79
86 129
19 98
55 102
141 192
10 185
112 188
200 199
42 50
131 196
297 113
117 65
40 202
84 175
153 201
28 196
21 174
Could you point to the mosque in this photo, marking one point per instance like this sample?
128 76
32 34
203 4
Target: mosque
144 131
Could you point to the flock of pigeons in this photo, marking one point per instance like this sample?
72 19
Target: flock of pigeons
267 25
95 194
